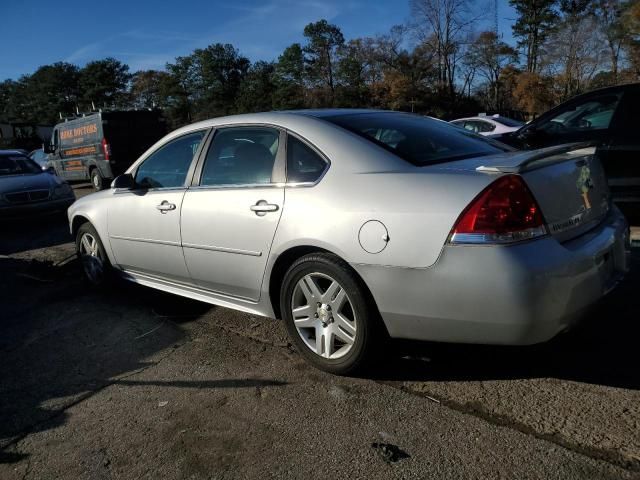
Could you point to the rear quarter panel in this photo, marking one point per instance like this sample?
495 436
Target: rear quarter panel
418 207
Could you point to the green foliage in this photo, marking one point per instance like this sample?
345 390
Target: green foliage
105 83
535 22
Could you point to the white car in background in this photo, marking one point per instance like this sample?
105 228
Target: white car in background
483 125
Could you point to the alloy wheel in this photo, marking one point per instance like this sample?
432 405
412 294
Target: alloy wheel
323 315
91 257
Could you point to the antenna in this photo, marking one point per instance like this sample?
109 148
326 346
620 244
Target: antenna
93 106
495 18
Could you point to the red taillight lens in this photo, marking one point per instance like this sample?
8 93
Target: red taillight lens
106 149
504 212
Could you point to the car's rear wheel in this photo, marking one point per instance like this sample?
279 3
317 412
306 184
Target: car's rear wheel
328 314
94 260
96 179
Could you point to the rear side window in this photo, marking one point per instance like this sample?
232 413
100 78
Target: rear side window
241 156
418 140
303 164
167 167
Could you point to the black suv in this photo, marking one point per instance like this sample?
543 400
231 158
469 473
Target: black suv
609 117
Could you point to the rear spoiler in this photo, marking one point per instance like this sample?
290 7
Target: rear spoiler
526 161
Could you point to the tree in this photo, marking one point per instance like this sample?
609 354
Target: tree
533 93
323 41
442 25
609 14
575 51
536 20
490 56
149 89
50 91
257 88
631 27
104 83
210 79
289 78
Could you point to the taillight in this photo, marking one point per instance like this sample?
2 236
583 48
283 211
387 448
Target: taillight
504 212
106 149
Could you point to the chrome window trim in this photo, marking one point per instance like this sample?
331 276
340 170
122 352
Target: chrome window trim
236 186
120 191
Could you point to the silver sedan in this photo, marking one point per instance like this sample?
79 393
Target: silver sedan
357 225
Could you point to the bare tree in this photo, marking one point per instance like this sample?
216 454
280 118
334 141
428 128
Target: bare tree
442 26
490 56
609 13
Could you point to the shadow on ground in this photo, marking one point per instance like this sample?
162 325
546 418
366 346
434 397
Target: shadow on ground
61 342
603 350
23 235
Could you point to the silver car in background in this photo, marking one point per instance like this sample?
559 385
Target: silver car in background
26 190
356 225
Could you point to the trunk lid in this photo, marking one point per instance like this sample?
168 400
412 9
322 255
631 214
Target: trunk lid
567 181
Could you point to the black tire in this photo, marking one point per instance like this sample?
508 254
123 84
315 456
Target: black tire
97 181
96 269
367 319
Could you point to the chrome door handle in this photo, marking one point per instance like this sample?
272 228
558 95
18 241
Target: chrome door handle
165 206
262 207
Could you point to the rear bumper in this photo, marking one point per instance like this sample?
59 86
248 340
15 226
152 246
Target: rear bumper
516 295
34 209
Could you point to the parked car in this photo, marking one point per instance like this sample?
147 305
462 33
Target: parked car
100 146
606 117
354 224
40 158
493 125
27 190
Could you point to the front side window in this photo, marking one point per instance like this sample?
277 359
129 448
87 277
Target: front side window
592 114
167 167
241 156
303 164
416 139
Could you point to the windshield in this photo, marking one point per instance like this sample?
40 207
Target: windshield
416 139
508 122
16 164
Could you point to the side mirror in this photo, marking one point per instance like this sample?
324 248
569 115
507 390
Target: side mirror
50 170
124 181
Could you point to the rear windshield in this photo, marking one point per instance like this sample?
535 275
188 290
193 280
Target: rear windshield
508 122
416 139
17 165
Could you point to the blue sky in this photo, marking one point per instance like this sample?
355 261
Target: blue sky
148 33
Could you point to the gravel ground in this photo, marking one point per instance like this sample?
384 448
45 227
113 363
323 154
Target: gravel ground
134 383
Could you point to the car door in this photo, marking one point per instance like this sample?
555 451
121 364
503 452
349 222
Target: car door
144 222
621 156
230 215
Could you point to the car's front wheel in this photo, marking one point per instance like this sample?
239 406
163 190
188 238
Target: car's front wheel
94 260
328 314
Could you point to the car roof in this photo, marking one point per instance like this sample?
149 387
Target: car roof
282 117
